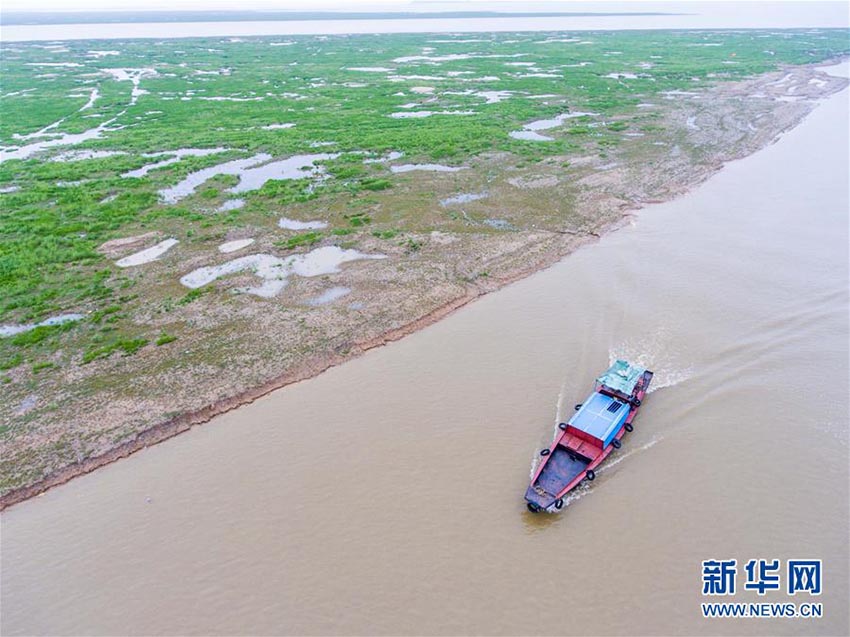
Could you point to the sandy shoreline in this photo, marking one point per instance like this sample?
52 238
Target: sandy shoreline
308 369
673 184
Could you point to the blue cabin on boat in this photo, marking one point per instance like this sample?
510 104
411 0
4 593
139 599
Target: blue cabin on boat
600 418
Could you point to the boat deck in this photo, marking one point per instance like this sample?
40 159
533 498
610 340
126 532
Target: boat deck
561 469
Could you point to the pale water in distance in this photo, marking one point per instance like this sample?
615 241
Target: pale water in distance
385 496
688 15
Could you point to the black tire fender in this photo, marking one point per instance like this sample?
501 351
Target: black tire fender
578 406
636 402
591 475
545 452
559 503
629 427
617 444
562 426
533 507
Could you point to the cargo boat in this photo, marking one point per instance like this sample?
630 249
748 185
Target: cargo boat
594 431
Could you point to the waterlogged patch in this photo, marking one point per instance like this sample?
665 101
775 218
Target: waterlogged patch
391 156
671 95
231 204
296 167
92 99
11 330
438 168
275 271
465 197
530 136
370 69
71 139
452 57
235 245
554 122
82 155
293 224
528 132
69 65
225 98
133 76
422 114
63 139
146 256
329 296
489 97
253 173
172 157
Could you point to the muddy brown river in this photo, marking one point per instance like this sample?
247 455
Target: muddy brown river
385 496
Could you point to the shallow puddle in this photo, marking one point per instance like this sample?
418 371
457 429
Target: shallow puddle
554 122
294 224
528 130
465 197
329 296
173 156
82 155
11 330
149 254
296 167
235 245
231 204
438 168
530 136
253 173
423 114
275 271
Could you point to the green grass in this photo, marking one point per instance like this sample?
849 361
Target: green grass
193 295
39 334
164 339
11 360
375 183
41 366
51 227
127 346
359 219
299 240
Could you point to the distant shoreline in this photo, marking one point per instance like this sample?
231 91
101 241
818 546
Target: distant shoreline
388 24
33 18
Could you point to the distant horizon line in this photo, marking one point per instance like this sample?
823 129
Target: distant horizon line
107 16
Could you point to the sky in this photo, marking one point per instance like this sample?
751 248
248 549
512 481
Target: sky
201 5
384 5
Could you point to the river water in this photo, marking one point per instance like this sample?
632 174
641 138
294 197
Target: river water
385 495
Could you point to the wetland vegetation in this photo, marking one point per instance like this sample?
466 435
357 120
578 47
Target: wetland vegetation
369 143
